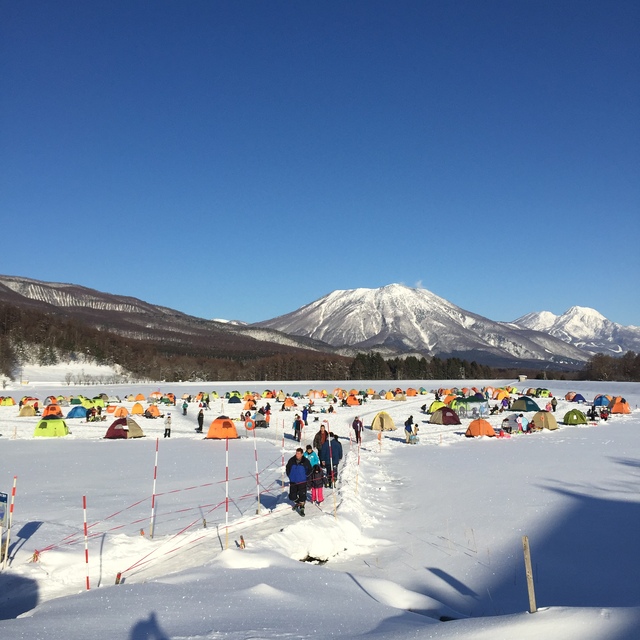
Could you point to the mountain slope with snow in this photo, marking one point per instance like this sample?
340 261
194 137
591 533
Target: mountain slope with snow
416 320
584 328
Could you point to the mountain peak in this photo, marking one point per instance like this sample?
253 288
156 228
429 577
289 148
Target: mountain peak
414 320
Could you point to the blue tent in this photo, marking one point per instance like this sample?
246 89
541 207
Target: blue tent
77 412
578 398
601 401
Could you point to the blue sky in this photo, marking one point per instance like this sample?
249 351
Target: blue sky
241 159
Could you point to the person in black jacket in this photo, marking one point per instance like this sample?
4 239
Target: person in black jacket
330 457
200 421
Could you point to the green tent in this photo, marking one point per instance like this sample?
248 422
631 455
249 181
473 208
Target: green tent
52 428
575 416
524 404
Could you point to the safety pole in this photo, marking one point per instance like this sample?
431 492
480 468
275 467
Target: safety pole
6 547
153 493
282 466
226 500
529 572
255 451
358 468
86 539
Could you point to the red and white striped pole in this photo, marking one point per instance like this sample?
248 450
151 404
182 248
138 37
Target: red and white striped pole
226 499
13 499
86 538
358 468
255 451
153 493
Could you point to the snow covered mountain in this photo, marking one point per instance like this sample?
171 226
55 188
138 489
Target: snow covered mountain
586 329
402 319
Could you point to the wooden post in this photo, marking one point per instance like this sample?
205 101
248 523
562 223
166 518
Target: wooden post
529 573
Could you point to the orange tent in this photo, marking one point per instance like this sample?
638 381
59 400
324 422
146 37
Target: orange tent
140 398
570 395
412 392
52 410
620 405
120 412
110 408
449 398
137 409
480 427
289 402
156 395
153 410
222 428
315 395
339 393
352 401
249 405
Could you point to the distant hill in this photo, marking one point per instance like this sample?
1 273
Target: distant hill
158 341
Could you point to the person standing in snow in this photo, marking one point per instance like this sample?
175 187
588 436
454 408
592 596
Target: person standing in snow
167 426
357 427
330 457
311 456
185 406
316 480
298 471
305 413
297 428
554 404
200 421
319 439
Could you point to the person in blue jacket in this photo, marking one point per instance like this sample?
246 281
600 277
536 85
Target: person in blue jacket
330 456
298 471
311 456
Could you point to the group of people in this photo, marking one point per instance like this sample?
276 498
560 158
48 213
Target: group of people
311 470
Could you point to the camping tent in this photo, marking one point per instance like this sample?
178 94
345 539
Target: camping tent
525 404
510 423
544 420
117 430
578 397
444 415
575 416
222 428
77 412
619 405
479 427
383 422
27 411
52 427
435 405
52 410
124 428
602 400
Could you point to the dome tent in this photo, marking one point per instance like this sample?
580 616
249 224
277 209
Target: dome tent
383 422
573 417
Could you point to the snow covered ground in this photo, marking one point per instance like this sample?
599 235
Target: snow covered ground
412 536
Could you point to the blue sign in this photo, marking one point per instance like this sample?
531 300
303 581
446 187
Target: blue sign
3 509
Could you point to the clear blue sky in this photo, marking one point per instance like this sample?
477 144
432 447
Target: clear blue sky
239 159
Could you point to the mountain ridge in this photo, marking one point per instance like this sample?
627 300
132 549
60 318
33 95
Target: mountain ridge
409 319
